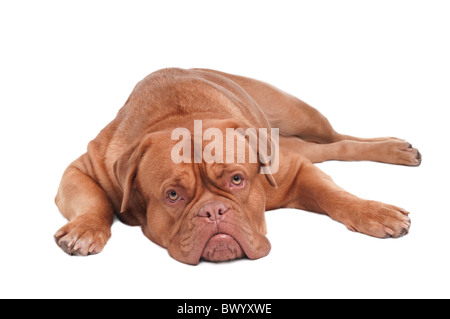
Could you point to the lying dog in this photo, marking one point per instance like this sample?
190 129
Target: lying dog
151 175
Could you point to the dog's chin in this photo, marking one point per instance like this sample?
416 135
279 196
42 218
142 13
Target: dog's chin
222 247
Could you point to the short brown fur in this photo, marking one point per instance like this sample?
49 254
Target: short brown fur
127 165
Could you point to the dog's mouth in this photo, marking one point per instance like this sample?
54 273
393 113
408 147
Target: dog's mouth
218 243
222 247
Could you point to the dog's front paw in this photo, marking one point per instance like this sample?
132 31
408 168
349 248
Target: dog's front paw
83 236
378 220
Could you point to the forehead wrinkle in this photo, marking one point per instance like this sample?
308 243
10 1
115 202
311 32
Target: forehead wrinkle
212 176
198 182
164 174
183 178
216 168
219 169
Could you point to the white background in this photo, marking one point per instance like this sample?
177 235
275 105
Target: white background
374 68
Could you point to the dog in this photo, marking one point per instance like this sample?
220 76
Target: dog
146 168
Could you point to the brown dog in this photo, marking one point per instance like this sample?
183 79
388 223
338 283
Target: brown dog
214 210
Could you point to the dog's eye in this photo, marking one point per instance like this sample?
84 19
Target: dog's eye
237 180
173 196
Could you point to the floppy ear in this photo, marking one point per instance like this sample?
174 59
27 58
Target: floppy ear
265 167
263 157
266 171
125 169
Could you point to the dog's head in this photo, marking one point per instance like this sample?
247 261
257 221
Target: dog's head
197 206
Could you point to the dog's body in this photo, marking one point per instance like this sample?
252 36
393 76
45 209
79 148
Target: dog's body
215 211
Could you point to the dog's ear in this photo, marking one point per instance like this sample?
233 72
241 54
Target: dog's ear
126 167
269 163
266 171
265 143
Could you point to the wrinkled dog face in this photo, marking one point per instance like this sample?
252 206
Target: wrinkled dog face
210 211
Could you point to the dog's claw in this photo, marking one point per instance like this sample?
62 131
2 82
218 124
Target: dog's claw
82 238
379 220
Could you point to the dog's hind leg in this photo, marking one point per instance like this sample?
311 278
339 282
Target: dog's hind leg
291 115
390 151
